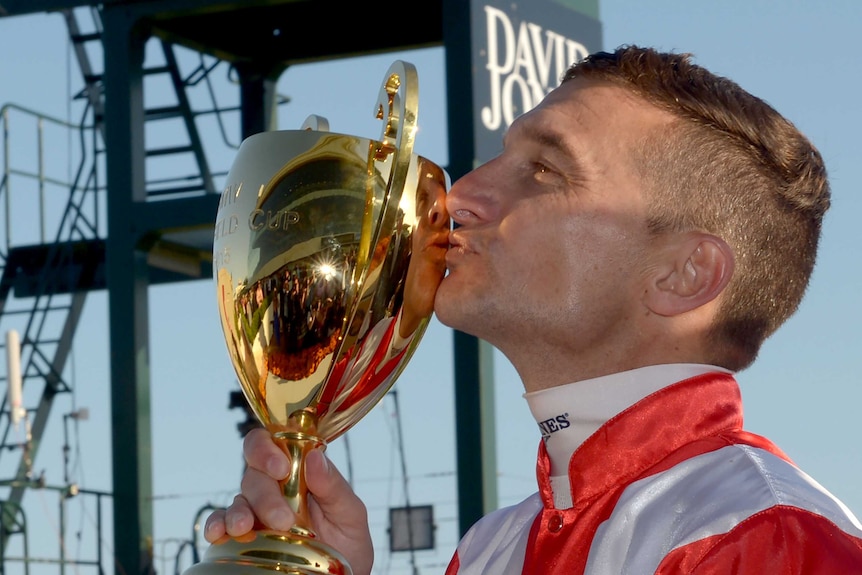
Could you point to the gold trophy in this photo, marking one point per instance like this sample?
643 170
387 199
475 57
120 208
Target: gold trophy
328 250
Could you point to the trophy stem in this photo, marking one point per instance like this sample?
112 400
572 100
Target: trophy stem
297 445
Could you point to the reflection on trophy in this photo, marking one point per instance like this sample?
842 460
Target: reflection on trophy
328 252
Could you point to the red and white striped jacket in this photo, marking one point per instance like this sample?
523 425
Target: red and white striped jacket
672 485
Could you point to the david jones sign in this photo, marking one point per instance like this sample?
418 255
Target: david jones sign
521 50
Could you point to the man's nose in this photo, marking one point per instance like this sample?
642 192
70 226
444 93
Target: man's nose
473 197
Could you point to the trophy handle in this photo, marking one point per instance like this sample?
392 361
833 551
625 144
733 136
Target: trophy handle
398 107
315 123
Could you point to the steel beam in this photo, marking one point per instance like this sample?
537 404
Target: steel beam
126 270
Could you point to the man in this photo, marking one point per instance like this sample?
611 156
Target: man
645 228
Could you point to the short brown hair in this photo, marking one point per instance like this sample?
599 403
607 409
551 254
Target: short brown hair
734 167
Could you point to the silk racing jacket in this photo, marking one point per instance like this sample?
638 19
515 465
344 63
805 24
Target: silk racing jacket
671 485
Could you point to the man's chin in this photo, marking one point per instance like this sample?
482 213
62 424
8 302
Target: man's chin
448 306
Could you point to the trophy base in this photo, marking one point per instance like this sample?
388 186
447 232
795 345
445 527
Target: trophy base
288 553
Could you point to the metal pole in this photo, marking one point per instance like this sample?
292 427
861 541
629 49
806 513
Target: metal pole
40 142
394 394
6 174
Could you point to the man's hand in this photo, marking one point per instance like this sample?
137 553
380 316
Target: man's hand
338 516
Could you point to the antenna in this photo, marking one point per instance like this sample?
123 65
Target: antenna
13 363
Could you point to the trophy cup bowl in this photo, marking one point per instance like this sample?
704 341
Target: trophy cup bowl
328 249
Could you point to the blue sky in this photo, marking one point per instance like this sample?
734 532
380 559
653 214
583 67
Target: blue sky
804 392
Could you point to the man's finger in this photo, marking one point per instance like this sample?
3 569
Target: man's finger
238 518
263 498
215 526
263 454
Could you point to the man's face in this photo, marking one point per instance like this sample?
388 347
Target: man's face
550 246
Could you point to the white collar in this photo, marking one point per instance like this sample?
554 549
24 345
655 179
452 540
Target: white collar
568 414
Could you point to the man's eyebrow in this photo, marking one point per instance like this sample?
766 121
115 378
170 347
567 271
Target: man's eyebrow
553 140
556 142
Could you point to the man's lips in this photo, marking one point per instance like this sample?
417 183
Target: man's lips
455 240
458 247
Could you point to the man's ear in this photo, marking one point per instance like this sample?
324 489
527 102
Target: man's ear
693 272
